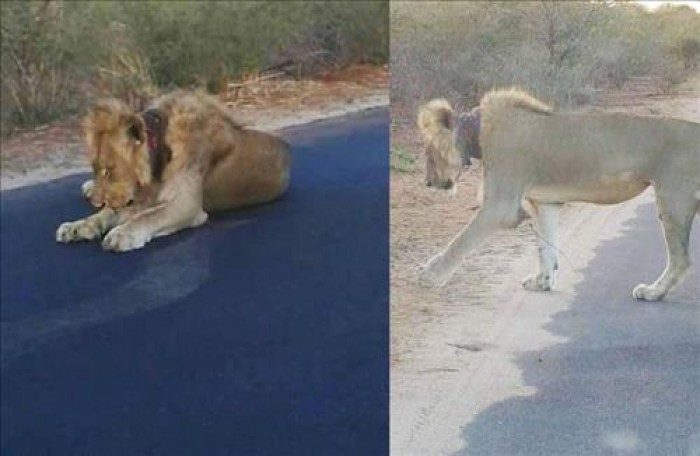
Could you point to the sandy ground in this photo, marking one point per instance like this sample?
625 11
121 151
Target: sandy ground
57 150
452 348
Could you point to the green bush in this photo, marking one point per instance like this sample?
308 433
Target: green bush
561 51
56 55
689 50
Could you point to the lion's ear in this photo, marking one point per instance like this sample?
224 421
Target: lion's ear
135 128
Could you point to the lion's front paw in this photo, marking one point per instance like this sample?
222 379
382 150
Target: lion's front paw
431 275
539 282
87 187
200 219
122 239
644 292
77 231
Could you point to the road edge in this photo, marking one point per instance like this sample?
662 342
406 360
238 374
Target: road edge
43 173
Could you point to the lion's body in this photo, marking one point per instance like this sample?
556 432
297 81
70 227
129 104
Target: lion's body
240 167
204 161
547 158
598 158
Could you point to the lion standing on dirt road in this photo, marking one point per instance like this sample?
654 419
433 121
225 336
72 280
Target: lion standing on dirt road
159 171
530 153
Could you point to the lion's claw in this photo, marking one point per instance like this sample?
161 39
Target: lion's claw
538 282
121 240
77 231
644 292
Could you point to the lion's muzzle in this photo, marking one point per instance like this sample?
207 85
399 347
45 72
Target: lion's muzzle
118 195
441 184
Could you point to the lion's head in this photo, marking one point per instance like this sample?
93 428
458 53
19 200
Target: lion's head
116 139
451 142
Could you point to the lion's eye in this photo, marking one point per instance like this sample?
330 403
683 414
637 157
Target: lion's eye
105 172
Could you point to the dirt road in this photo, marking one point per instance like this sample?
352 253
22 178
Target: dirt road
455 350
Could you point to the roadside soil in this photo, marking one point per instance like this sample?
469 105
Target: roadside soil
56 150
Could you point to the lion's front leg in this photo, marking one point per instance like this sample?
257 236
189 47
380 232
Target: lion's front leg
546 229
491 218
152 222
92 227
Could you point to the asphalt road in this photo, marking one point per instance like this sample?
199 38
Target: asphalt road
263 332
626 379
582 370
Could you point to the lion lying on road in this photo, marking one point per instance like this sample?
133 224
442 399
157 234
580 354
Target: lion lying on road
159 171
532 153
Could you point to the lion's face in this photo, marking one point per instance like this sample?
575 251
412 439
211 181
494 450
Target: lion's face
451 142
443 170
118 154
115 179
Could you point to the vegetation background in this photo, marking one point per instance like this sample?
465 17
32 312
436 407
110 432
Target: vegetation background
562 51
57 55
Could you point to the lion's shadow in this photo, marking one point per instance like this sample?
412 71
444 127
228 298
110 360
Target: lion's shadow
625 381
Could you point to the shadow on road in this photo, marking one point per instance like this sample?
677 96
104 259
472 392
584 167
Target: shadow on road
627 381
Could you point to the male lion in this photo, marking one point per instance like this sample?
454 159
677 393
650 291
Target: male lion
530 153
157 172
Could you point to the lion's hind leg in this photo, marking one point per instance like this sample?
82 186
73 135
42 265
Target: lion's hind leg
676 212
546 229
238 181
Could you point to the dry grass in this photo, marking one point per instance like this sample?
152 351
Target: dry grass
280 90
60 143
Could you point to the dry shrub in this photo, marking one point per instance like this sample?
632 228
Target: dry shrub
57 55
560 51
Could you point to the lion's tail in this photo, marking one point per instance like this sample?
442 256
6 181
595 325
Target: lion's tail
436 120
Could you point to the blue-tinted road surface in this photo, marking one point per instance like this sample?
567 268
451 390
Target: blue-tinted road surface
263 332
626 378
